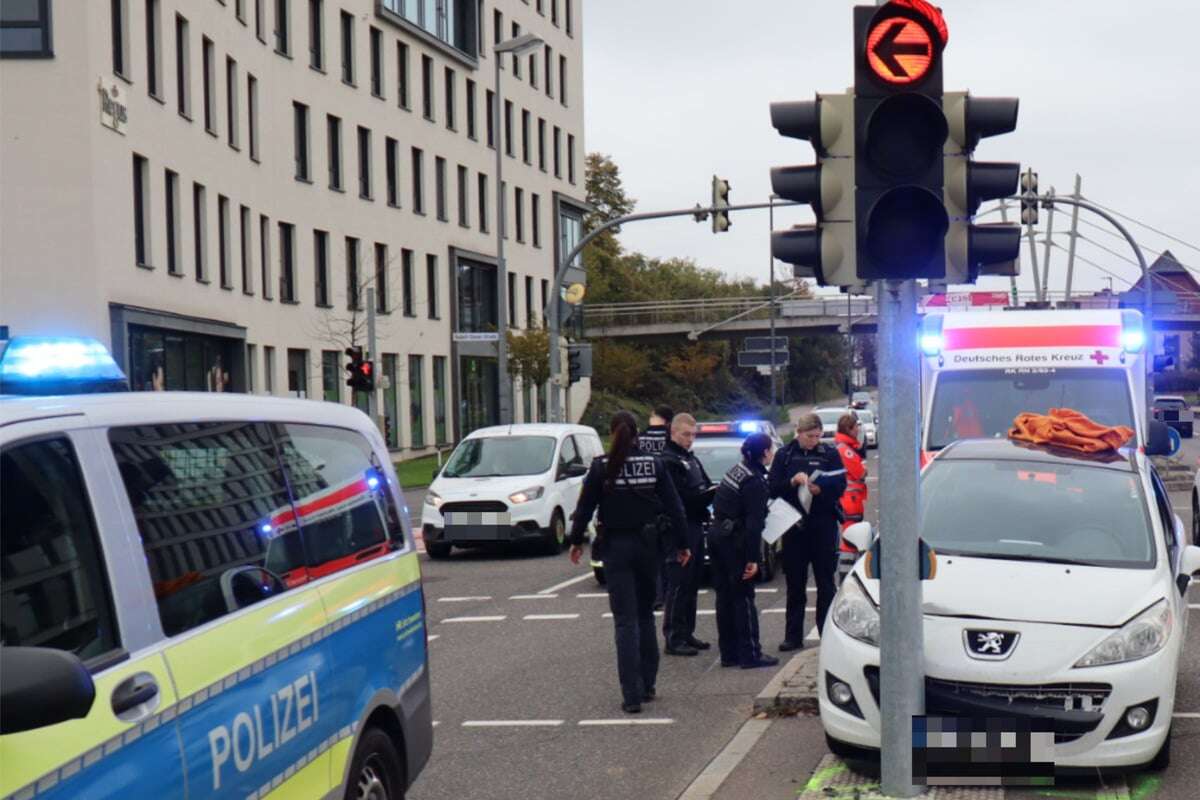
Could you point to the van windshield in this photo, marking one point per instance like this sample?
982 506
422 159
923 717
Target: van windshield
983 403
499 456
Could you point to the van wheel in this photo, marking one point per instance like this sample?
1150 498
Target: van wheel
438 549
556 534
376 772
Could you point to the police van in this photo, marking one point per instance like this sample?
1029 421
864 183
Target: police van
980 369
204 595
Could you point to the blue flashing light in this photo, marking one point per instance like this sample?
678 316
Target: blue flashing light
42 365
266 527
748 427
1133 340
931 343
373 482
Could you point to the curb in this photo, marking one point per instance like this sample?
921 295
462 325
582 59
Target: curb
794 689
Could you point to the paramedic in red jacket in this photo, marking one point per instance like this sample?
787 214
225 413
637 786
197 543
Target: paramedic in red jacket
854 500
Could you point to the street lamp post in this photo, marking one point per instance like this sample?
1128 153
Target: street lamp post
518 46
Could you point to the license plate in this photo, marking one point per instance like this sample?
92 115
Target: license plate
982 751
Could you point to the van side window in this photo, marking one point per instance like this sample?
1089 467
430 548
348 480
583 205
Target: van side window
342 500
569 454
213 511
53 586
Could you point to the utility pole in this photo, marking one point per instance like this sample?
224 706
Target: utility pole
1012 280
1037 280
1046 253
1075 235
771 260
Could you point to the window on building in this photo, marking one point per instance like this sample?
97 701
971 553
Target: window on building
557 152
297 373
545 292
391 427
141 211
406 283
570 231
562 80
252 113
209 81
347 48
541 7
431 286
530 316
331 384
548 60
472 132
244 250
535 219
260 17
200 231
416 399
172 202
269 369
333 140
321 268
427 87
364 163
464 210
316 34
490 111
571 158
502 211
453 22
120 34
183 76
516 59
541 144
154 48
439 175
381 279
567 7
526 138
264 255
224 254
418 180
402 74
25 30
287 262
554 13
451 118
508 127
512 299
251 367
477 297
519 212
498 31
483 203
231 104
300 127
439 399
353 301
283 27
391 151
377 84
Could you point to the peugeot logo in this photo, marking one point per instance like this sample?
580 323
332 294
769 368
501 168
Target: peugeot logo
990 645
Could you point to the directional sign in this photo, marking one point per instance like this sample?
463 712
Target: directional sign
759 343
762 359
899 50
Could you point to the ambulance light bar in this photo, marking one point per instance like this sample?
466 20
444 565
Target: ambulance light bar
931 335
1133 337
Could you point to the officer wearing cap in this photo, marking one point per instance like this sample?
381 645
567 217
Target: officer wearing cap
735 543
638 506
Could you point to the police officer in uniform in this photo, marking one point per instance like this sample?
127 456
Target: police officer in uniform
683 580
638 506
740 509
653 441
814 541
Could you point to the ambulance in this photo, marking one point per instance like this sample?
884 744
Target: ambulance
980 369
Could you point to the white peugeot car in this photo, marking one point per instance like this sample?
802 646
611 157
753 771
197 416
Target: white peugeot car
510 483
1059 599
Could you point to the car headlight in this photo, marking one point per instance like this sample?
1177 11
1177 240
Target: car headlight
433 499
525 495
1143 636
855 613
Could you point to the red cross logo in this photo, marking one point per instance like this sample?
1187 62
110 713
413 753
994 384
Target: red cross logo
1100 357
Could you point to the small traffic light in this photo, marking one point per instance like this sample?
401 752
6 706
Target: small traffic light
361 372
720 201
1029 202
824 250
579 361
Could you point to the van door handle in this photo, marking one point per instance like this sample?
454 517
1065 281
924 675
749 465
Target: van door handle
133 692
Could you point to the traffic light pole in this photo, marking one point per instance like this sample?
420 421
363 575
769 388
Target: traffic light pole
902 653
373 357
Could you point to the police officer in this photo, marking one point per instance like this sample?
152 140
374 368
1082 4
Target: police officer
815 539
638 505
683 580
735 543
653 441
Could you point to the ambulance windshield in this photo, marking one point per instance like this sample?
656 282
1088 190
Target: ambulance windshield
983 403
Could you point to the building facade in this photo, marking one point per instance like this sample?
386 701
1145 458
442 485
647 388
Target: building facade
214 187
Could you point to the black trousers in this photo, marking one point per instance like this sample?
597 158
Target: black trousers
813 545
683 584
737 616
631 568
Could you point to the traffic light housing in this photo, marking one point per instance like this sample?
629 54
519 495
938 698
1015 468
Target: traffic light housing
720 200
361 372
826 249
579 361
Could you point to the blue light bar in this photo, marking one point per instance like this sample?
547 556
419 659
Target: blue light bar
748 427
45 365
931 335
1133 337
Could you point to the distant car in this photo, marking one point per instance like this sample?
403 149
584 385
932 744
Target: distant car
509 484
866 421
1175 412
829 421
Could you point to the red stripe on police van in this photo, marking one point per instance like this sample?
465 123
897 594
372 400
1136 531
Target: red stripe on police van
1049 336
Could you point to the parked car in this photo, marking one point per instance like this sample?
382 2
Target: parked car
1175 412
869 434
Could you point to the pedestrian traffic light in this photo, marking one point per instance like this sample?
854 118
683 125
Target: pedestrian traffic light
720 201
579 361
361 373
973 250
900 133
824 250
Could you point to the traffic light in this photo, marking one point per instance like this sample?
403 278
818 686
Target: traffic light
900 132
361 373
579 361
824 250
1029 201
720 200
973 250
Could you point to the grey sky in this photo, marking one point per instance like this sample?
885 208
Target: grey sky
677 90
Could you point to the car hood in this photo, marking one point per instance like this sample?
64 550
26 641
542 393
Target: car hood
1029 591
459 489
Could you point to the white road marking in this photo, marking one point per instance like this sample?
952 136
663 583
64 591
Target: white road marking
608 614
550 616
567 583
709 781
705 612
641 721
471 599
476 619
770 590
1193 605
533 597
592 594
813 636
432 637
512 723
784 611
1186 715
436 723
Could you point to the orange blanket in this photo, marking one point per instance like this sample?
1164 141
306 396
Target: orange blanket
1067 428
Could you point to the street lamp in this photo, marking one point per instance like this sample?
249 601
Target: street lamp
518 46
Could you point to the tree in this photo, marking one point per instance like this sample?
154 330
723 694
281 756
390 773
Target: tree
619 368
605 192
529 355
345 324
694 365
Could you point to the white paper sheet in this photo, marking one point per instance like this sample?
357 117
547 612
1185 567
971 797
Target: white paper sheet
781 516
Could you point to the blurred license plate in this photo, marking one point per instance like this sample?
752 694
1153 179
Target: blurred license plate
474 518
982 751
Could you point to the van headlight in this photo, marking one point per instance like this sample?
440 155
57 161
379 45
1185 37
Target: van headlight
855 613
433 499
525 495
1142 636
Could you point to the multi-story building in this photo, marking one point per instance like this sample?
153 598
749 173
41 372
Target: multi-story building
211 187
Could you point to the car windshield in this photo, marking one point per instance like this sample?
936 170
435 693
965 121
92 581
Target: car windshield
984 403
718 457
865 416
499 456
1026 510
830 416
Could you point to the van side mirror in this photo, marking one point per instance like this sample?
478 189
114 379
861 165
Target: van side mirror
40 687
859 534
1158 439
